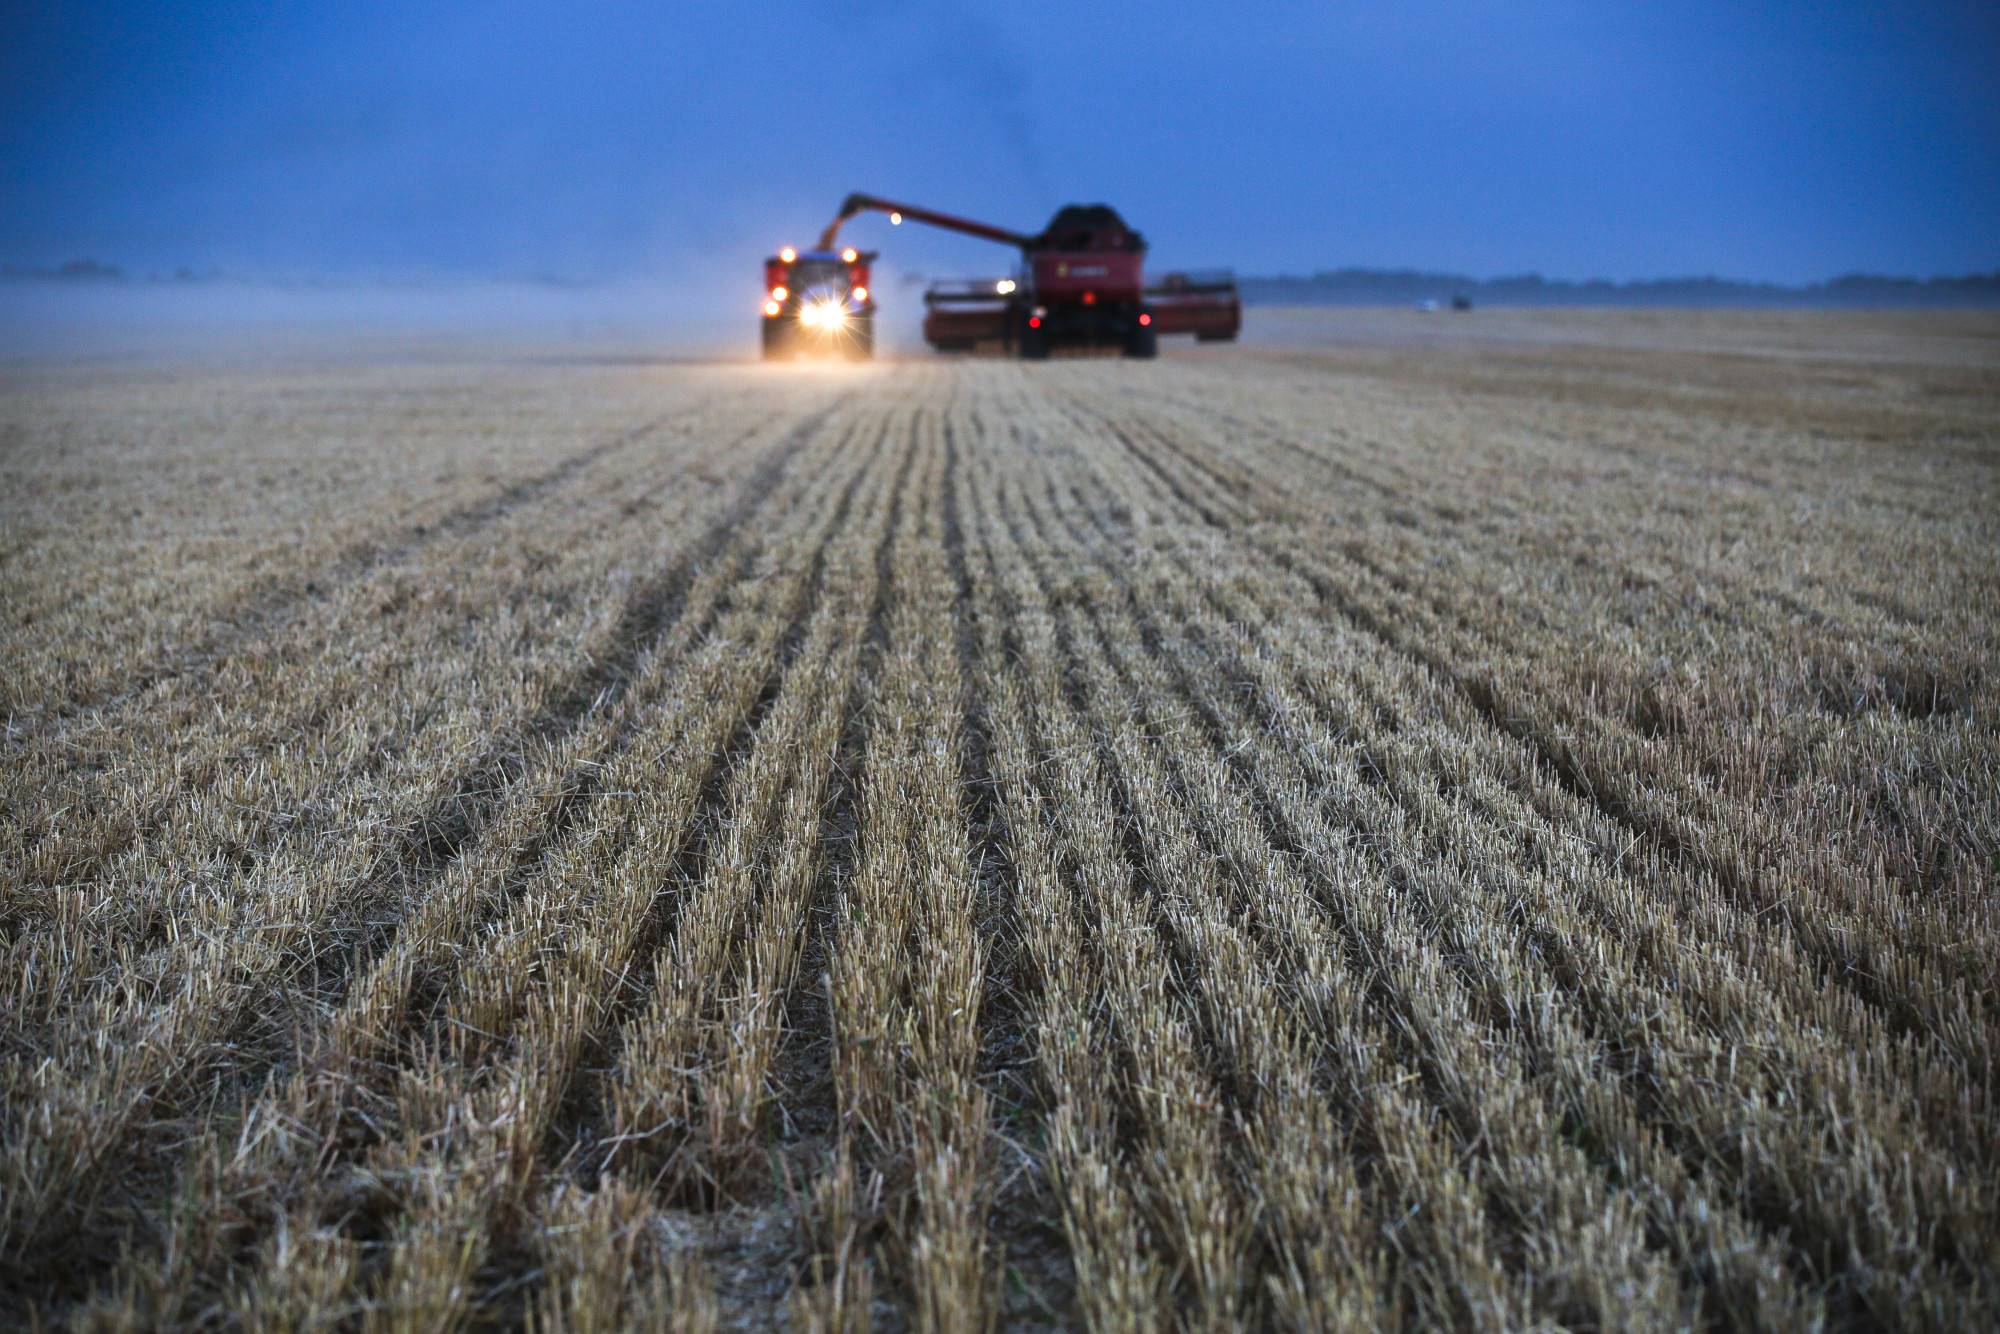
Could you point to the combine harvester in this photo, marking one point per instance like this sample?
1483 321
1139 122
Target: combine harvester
1081 283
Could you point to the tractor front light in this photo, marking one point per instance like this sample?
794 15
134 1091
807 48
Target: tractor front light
780 292
860 294
771 308
825 315
1004 286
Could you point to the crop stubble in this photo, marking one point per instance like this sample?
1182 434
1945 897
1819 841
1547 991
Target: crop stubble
1483 836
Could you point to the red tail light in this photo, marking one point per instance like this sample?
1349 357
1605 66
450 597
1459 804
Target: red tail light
1034 321
1145 320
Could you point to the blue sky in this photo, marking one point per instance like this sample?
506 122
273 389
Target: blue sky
606 142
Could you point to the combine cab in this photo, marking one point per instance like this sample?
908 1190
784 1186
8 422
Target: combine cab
818 301
1081 284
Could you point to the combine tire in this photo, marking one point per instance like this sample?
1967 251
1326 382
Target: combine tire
1034 345
1144 343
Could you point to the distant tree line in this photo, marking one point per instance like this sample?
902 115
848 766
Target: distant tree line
97 271
1377 287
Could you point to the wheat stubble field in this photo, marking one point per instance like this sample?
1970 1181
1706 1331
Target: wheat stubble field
1389 829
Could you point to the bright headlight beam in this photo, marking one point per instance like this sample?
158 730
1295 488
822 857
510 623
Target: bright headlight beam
822 315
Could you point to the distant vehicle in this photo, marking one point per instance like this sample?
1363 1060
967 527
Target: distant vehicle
1460 301
818 301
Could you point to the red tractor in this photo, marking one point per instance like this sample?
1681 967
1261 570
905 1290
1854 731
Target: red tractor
818 302
1081 283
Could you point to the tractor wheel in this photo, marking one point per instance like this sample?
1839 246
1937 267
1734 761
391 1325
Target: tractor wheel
1034 345
861 343
1144 343
776 344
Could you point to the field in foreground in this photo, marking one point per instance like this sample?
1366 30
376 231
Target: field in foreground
1326 835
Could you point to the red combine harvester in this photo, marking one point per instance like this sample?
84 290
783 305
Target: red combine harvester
1081 284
